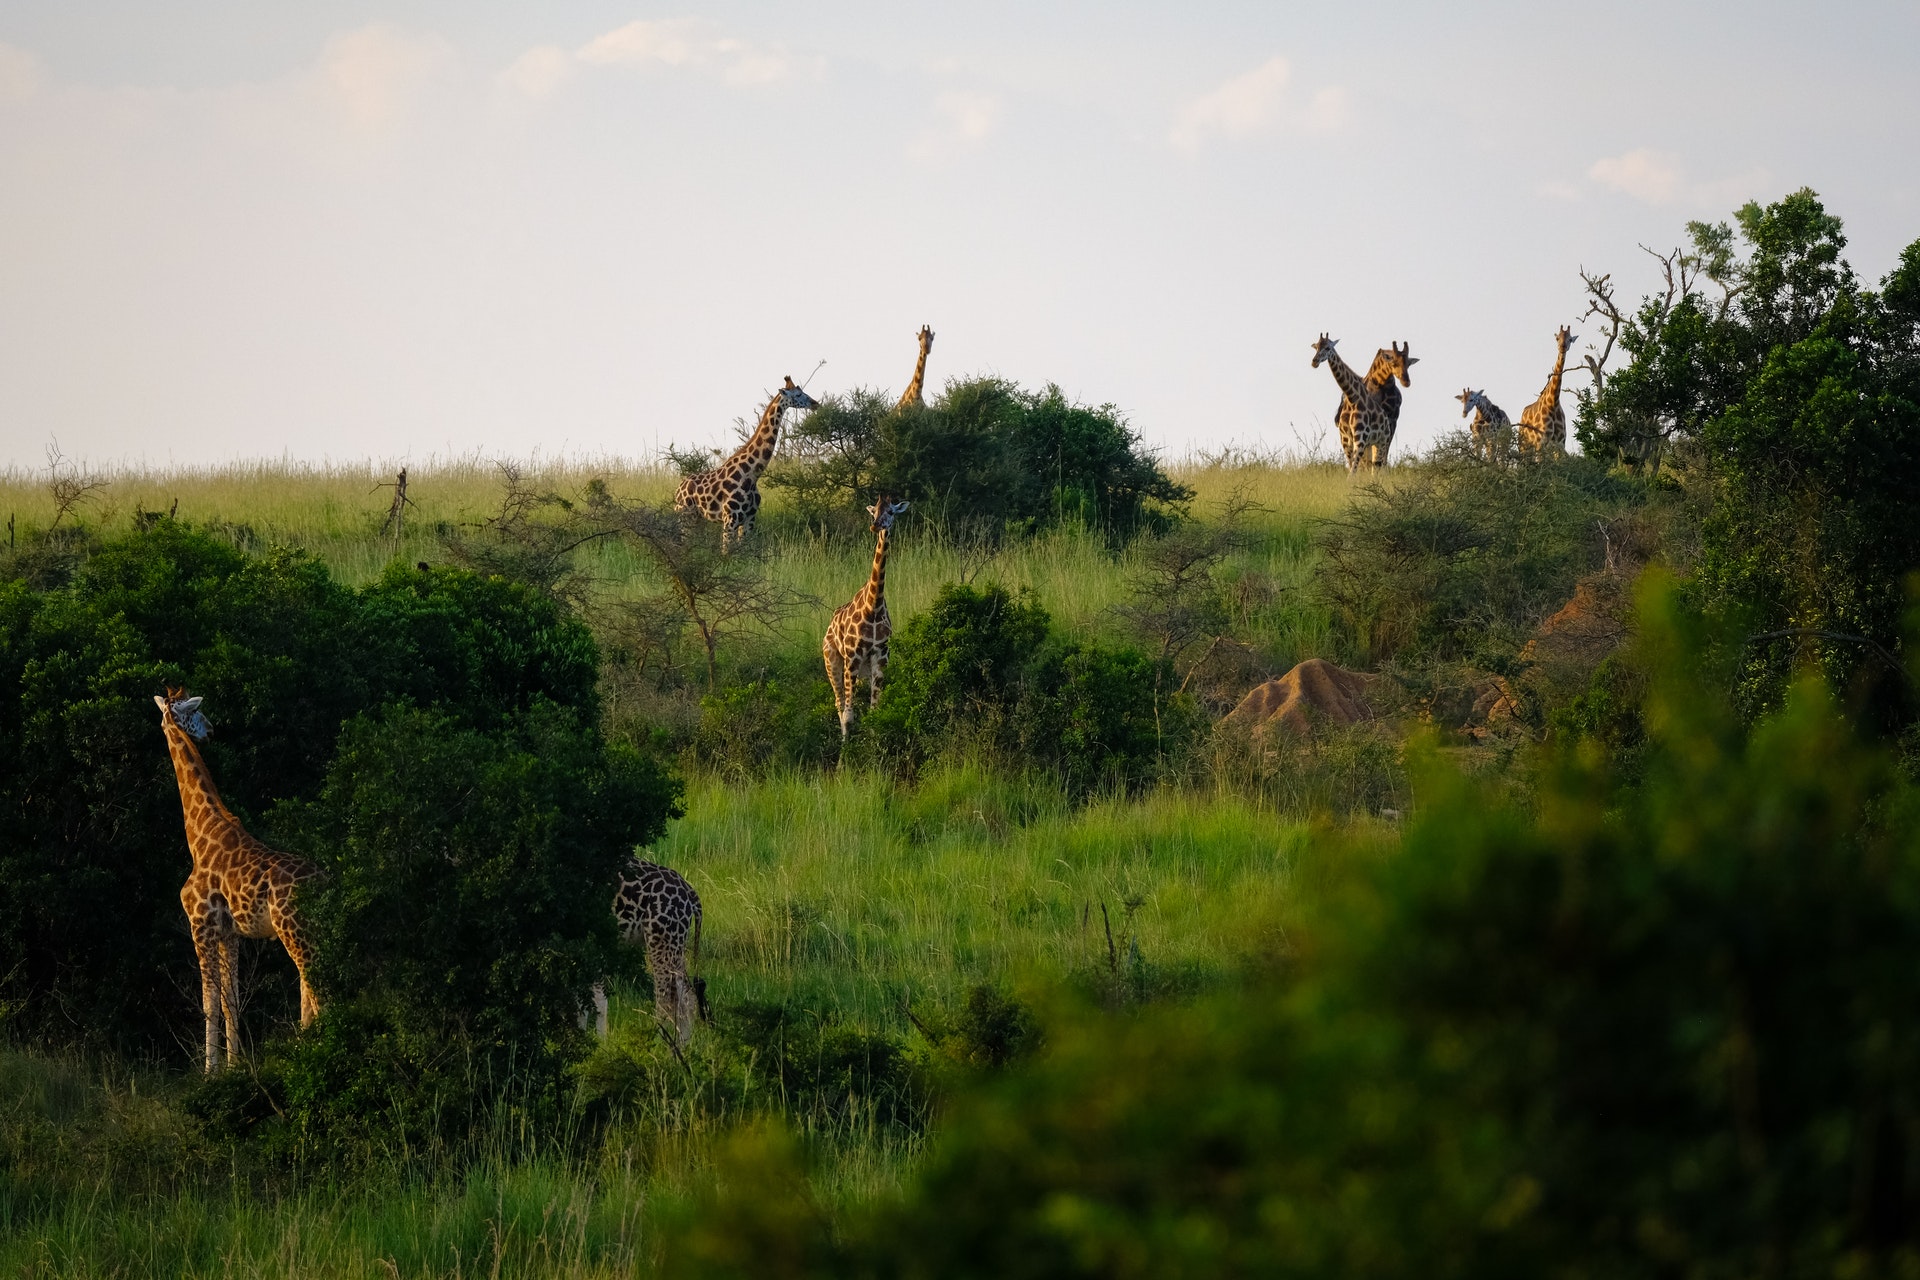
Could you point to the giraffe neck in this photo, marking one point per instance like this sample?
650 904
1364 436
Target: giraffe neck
877 580
200 802
1552 393
1380 372
753 456
914 388
1350 382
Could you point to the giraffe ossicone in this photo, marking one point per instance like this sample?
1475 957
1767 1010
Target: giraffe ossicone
856 643
238 888
729 494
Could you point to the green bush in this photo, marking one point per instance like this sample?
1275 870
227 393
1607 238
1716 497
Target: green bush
1664 1029
768 724
468 876
980 672
984 457
93 946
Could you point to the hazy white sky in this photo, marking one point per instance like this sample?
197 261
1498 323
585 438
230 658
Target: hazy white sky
341 230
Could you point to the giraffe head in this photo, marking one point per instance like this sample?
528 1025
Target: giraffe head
1565 338
1323 349
883 511
1399 361
792 397
176 708
926 339
1468 398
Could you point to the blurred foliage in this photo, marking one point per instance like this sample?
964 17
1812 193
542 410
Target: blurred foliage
984 457
1663 1029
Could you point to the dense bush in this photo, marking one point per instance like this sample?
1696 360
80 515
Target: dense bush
1655 1030
92 851
980 672
983 456
1792 403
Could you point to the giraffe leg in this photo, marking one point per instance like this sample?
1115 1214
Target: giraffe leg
599 1010
836 677
668 996
230 993
206 948
876 669
287 927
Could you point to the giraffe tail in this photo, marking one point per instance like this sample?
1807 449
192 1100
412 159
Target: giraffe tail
693 952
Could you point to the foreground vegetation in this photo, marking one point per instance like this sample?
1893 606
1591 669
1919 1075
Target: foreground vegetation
1584 956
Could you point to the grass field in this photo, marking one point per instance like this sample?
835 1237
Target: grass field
848 895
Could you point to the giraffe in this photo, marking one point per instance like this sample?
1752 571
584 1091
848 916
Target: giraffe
655 905
856 639
730 492
1543 424
1369 408
239 888
1491 427
911 397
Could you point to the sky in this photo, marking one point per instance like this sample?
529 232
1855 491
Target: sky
343 231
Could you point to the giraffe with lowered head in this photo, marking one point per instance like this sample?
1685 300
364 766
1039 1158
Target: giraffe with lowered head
239 887
912 395
1491 427
730 492
1369 409
658 908
1543 424
856 640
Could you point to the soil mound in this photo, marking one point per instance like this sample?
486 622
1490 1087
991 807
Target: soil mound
1316 691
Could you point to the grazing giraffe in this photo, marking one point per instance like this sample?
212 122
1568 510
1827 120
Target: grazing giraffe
730 492
1491 427
656 906
856 639
911 396
239 888
1543 424
1369 407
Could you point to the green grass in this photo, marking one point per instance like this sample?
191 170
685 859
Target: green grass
845 894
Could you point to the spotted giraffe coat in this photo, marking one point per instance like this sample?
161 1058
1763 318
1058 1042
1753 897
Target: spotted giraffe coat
1543 424
239 888
857 639
729 494
656 906
1491 428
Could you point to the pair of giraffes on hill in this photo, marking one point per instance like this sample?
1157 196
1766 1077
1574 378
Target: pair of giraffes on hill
855 645
1543 424
1369 411
240 888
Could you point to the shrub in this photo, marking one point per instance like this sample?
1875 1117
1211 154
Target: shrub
984 457
768 724
1653 1030
92 852
469 873
979 672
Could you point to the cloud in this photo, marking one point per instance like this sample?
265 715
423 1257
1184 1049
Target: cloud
1257 102
377 71
539 71
1643 173
688 43
966 120
19 74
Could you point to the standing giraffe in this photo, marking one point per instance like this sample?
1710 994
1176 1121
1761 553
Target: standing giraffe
856 640
655 905
1491 427
239 888
730 493
1543 424
1369 408
911 396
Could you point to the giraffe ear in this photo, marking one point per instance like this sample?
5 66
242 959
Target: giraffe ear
160 702
898 507
188 707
